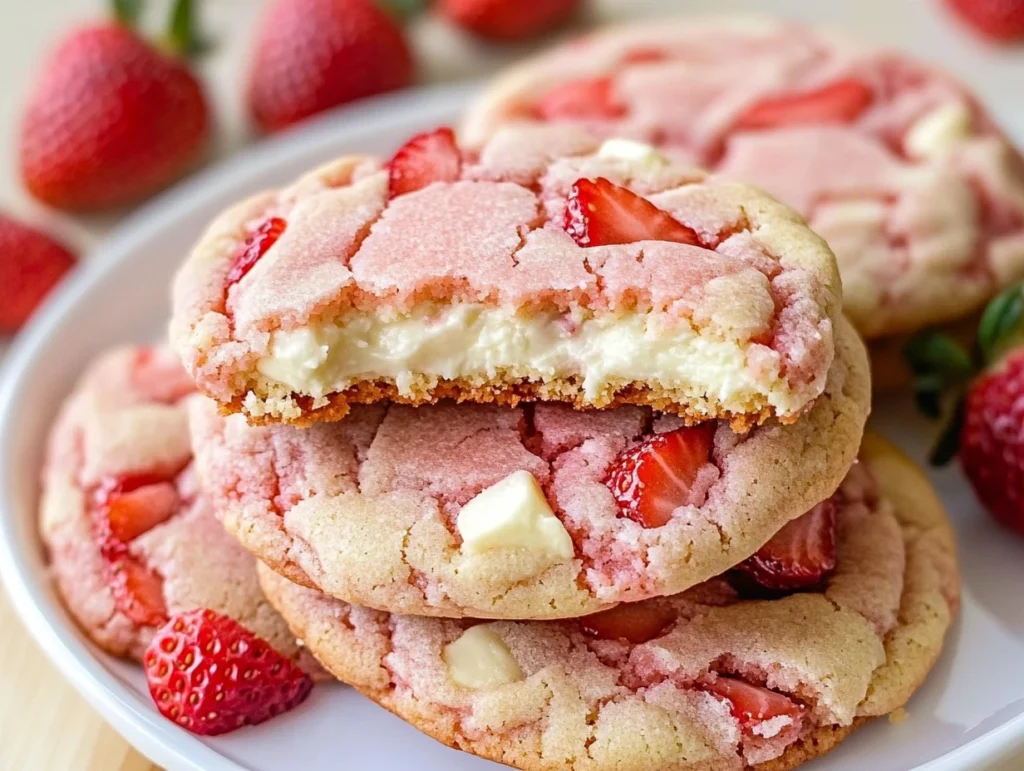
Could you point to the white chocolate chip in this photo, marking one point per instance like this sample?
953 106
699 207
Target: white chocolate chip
938 131
513 514
481 659
631 151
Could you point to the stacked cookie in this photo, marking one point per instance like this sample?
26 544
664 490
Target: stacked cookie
548 443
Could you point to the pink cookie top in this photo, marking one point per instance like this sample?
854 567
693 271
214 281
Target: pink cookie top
338 244
673 680
367 508
131 542
891 160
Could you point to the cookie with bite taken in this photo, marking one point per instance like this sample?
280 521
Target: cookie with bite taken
546 265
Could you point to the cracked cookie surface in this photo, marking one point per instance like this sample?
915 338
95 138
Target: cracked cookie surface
891 160
299 302
366 509
854 649
130 539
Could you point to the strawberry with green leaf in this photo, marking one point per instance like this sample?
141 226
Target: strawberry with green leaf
983 392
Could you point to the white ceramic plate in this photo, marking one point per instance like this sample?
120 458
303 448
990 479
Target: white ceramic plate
969 712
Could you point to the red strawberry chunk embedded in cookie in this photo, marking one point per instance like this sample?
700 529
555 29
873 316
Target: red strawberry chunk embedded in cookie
593 99
654 478
426 158
636 623
256 245
600 213
138 591
839 102
131 514
211 675
751 704
800 555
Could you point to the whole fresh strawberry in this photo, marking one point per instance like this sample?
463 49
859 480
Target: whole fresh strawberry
312 55
999 20
211 675
30 264
112 118
507 19
986 431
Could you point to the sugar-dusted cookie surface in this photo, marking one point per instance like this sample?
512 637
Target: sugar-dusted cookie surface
545 266
502 512
704 680
130 539
892 161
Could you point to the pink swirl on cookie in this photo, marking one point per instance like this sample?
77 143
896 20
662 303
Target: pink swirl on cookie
892 161
710 678
534 268
131 541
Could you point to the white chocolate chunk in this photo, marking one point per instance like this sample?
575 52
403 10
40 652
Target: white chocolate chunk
632 151
938 131
513 514
480 659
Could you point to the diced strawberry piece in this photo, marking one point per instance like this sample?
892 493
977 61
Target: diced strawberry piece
138 591
800 555
634 622
426 158
751 704
592 99
211 675
255 246
839 102
654 478
130 514
599 213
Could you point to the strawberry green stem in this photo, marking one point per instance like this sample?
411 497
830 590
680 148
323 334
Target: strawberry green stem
127 11
183 35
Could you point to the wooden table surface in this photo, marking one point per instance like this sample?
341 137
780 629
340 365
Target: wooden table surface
44 724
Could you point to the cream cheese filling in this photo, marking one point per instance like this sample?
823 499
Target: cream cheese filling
474 340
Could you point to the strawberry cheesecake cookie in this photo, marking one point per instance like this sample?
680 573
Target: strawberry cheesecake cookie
544 266
893 162
535 511
723 676
130 540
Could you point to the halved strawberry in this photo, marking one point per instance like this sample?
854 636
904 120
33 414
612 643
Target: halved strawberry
426 158
839 102
592 99
130 514
751 704
599 212
634 622
138 591
654 478
255 246
211 675
800 555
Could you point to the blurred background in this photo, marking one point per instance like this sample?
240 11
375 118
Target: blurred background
43 723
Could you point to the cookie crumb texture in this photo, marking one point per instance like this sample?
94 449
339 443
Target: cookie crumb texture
855 649
473 290
892 161
131 540
367 509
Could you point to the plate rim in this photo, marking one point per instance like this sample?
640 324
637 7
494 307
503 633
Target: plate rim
158 739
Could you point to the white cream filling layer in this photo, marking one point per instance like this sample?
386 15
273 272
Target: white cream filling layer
472 340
